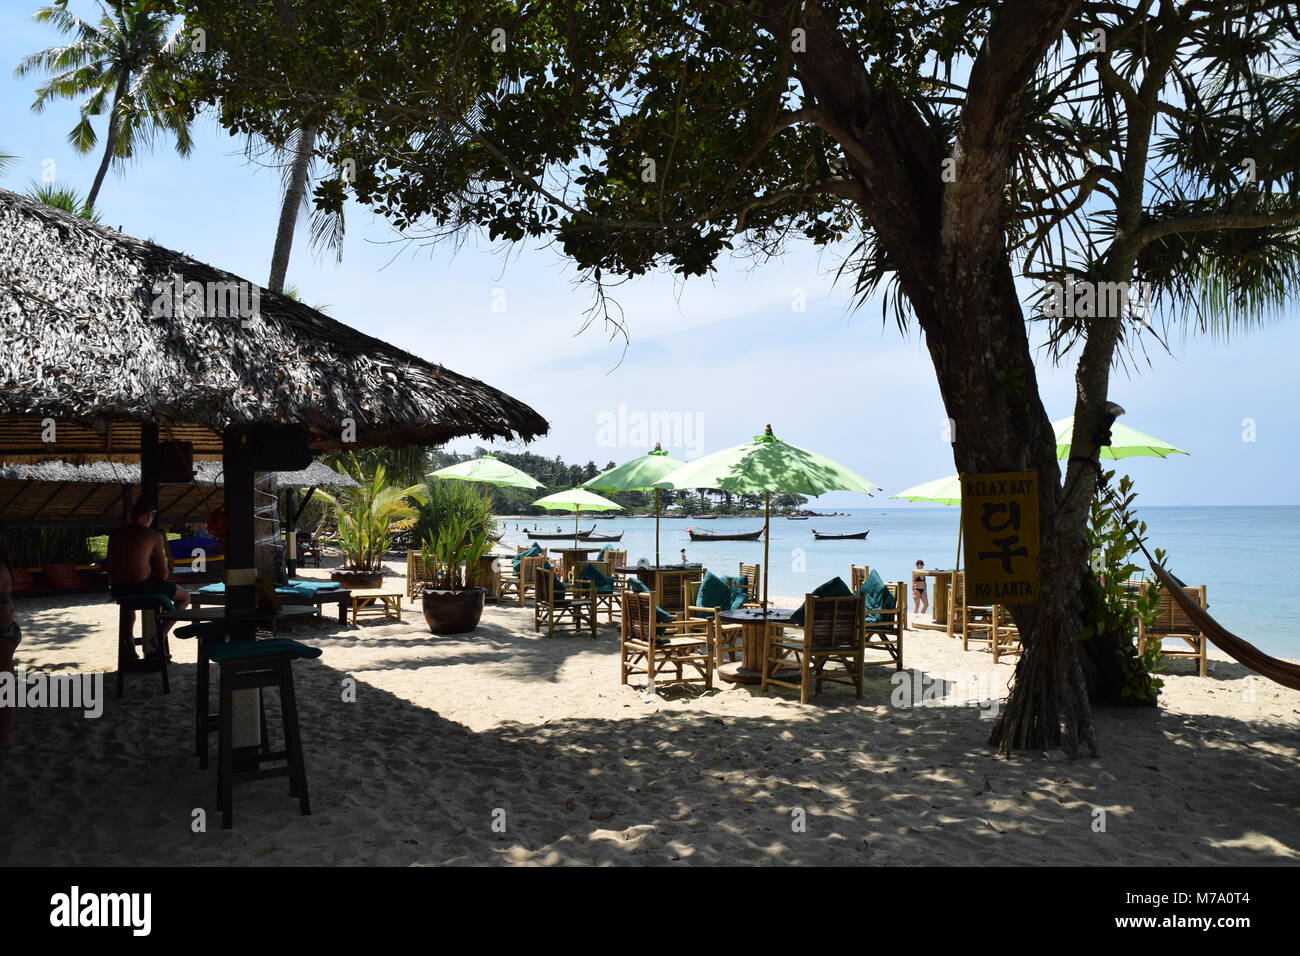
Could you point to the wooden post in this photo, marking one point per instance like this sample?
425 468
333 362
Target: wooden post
290 535
241 567
149 462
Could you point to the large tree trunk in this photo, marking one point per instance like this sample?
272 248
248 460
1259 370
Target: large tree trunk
293 196
110 138
986 375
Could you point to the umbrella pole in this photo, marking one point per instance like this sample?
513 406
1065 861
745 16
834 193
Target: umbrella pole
767 533
656 527
956 565
575 525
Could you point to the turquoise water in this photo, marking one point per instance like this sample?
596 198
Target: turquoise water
1246 555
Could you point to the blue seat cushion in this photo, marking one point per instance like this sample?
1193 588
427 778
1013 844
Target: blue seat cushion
147 602
877 598
835 587
248 650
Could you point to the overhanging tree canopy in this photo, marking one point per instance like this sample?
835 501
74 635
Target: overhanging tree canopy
959 147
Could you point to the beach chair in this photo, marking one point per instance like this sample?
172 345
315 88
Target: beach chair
676 652
416 573
524 581
884 629
833 632
728 639
1173 623
606 597
676 590
857 574
556 604
753 583
989 624
956 603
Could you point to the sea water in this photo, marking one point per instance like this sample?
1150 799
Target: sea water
1246 556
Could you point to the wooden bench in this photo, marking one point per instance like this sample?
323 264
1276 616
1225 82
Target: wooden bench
385 604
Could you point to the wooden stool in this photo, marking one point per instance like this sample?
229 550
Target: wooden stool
249 665
205 722
127 663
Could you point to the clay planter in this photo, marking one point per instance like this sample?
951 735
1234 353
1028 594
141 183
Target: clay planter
358 580
453 612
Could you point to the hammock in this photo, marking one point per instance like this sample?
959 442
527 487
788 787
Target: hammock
1243 652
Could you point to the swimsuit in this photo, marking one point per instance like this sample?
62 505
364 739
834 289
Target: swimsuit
150 585
918 585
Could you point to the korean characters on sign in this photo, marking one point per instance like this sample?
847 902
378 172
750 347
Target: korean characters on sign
999 520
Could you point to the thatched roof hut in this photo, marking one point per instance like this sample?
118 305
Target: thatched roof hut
100 331
56 493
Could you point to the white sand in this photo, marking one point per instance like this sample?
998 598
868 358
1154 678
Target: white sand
449 733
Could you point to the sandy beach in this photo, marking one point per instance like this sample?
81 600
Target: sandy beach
504 746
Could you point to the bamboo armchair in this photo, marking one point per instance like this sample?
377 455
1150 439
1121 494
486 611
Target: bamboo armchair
858 573
990 624
833 632
728 639
1172 622
753 580
416 573
551 609
885 635
525 580
607 600
671 588
508 580
679 652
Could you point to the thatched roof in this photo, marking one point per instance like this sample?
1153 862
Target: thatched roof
96 494
81 342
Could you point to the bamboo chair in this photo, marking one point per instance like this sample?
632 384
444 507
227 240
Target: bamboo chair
416 573
1006 635
672 595
886 635
728 639
552 610
1172 622
858 573
677 653
833 632
753 583
524 581
990 624
957 603
608 600
508 580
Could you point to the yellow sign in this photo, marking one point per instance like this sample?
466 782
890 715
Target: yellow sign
999 520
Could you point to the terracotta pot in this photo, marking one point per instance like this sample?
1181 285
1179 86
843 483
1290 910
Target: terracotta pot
358 580
453 612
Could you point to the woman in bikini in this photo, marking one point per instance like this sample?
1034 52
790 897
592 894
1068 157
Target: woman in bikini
9 638
920 597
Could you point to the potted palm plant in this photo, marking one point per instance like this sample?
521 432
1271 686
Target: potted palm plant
451 559
368 516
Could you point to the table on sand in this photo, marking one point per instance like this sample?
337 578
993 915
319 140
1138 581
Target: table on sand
648 573
754 624
386 604
337 596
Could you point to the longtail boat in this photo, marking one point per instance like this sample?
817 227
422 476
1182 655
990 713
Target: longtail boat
707 536
601 537
569 536
856 536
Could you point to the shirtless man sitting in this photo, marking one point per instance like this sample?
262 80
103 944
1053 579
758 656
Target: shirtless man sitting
137 560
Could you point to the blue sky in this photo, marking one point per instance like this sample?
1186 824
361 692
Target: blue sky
713 359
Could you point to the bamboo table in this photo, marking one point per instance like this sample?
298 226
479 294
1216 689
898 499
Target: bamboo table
386 604
754 625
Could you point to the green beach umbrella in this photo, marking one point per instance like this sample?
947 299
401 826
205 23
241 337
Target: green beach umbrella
576 499
941 491
639 474
765 465
487 470
1125 442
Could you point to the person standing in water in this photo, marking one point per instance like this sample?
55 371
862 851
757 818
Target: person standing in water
920 596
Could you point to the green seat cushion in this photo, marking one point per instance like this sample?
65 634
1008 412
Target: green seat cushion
604 585
835 587
532 551
247 650
637 585
147 602
713 592
877 598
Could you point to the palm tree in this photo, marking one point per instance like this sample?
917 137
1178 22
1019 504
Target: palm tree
128 61
369 514
6 160
62 197
301 147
